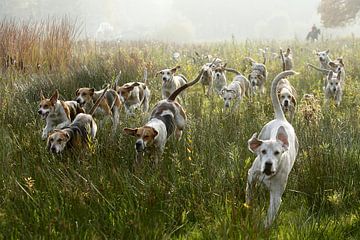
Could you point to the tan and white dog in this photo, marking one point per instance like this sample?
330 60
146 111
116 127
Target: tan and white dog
78 134
57 113
236 90
207 78
167 116
287 97
257 76
276 149
134 95
108 106
219 77
170 81
334 87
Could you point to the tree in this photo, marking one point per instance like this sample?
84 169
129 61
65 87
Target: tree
338 13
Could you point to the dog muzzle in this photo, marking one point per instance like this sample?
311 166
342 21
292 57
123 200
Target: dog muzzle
43 114
268 169
139 146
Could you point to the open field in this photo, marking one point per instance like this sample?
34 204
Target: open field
198 189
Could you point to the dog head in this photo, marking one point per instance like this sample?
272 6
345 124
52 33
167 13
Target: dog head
337 65
333 82
255 78
287 99
125 91
218 70
228 95
84 95
167 74
323 56
270 151
57 141
47 105
144 136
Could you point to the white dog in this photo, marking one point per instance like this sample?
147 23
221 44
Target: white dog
276 150
171 82
334 87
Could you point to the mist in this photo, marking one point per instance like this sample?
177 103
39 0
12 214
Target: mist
180 20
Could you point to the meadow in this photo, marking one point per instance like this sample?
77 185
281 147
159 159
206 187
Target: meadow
198 189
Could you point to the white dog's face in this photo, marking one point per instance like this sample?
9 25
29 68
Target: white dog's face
255 79
228 96
57 141
167 74
218 71
323 55
333 82
287 100
270 151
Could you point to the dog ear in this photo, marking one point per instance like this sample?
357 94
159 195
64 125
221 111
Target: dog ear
293 100
135 84
288 51
42 95
254 143
54 97
260 76
67 136
339 75
174 69
77 92
159 72
48 144
130 131
330 75
327 51
92 90
282 137
224 66
341 61
332 64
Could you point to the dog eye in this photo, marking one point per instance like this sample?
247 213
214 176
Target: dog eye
276 153
168 73
337 83
263 151
59 140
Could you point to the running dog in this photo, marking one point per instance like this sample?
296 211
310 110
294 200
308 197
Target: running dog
166 117
276 149
287 97
257 76
171 82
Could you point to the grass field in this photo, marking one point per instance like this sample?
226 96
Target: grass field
198 189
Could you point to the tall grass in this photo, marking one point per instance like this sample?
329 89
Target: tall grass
198 189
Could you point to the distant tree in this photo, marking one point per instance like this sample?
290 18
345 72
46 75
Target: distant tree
338 13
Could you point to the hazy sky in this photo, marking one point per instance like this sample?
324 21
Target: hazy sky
182 20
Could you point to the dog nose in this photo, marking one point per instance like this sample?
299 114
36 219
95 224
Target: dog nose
253 83
53 149
286 103
227 105
268 165
39 112
138 145
164 78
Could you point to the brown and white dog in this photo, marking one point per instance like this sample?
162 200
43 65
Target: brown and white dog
78 134
287 97
219 77
170 81
134 95
257 76
207 78
57 113
108 106
167 116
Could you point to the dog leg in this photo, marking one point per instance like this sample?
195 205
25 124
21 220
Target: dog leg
275 202
115 119
46 131
178 133
338 99
249 187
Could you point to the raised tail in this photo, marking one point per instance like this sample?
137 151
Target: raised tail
97 103
145 76
264 56
279 114
282 59
324 71
233 71
116 83
185 86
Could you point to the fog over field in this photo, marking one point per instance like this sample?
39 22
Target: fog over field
183 21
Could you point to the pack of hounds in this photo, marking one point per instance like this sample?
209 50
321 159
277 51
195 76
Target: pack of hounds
71 124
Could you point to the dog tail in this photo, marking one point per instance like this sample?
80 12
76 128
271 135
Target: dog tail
264 56
324 71
97 103
252 61
183 77
116 83
279 114
282 59
185 86
233 71
145 76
